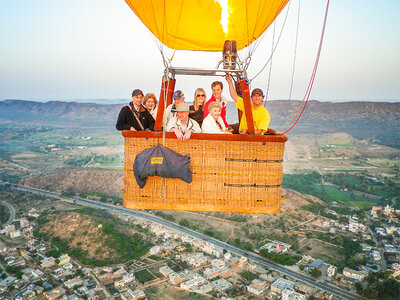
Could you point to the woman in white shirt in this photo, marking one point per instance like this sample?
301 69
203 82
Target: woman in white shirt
213 123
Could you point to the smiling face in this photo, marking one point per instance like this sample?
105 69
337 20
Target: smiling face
257 99
150 103
215 112
217 91
182 116
201 97
137 100
179 100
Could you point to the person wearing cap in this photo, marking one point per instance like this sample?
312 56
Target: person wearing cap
170 111
135 116
217 88
261 116
181 124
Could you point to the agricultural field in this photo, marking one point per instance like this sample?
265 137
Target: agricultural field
352 190
46 149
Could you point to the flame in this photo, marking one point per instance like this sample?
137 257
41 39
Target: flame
226 10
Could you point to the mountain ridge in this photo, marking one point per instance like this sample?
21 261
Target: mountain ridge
378 121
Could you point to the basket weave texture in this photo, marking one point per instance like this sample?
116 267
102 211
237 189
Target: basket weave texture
231 173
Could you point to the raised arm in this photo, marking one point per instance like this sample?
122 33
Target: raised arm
232 89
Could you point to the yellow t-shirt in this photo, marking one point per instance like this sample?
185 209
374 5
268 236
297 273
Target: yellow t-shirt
261 116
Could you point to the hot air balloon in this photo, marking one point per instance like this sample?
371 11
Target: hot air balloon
230 173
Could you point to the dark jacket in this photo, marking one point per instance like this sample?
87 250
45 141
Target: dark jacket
197 115
161 161
126 119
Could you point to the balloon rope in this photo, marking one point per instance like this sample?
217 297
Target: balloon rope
293 69
311 83
276 45
270 65
295 50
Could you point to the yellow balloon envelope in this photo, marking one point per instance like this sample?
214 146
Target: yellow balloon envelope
205 24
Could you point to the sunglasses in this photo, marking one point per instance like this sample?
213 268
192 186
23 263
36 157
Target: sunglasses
202 95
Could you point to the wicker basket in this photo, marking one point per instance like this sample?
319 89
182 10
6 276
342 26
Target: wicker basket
231 173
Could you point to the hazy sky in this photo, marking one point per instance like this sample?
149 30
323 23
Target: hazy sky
89 49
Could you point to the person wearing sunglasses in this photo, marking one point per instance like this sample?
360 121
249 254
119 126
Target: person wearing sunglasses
196 109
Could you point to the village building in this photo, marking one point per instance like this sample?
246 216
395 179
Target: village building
133 295
331 271
280 284
290 294
64 259
197 281
221 284
48 262
54 293
165 271
353 274
259 283
254 290
77 281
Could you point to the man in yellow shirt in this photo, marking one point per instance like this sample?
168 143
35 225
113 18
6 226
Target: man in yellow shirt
261 116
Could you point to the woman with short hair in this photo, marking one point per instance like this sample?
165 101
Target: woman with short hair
150 102
214 123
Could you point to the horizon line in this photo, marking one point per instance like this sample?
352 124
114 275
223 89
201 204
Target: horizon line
124 100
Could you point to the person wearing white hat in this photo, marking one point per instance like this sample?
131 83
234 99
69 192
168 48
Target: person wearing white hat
181 124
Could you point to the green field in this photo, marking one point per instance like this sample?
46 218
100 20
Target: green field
348 198
37 138
143 276
312 184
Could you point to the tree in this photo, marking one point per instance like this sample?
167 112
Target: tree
358 287
301 267
184 222
315 273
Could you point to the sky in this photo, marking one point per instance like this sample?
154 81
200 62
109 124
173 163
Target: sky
85 50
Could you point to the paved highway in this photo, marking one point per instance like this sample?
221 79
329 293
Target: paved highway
12 213
260 260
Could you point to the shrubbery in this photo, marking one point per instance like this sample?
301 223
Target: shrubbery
283 259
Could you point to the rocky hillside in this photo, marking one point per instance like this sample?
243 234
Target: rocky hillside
93 237
378 122
80 180
57 111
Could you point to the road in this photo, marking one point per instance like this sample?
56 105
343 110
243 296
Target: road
308 157
377 243
255 257
12 213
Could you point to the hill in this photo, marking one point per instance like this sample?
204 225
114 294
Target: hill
92 236
377 122
58 112
79 180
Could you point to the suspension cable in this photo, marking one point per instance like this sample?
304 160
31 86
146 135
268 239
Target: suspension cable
295 50
293 68
253 46
311 83
270 65
276 45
